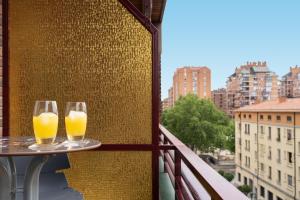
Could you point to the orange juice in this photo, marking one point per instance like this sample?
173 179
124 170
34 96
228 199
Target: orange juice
76 125
45 127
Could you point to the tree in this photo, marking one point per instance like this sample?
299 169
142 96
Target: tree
199 124
246 189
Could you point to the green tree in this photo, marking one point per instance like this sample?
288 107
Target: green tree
199 123
246 189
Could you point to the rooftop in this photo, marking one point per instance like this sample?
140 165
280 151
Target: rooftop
280 105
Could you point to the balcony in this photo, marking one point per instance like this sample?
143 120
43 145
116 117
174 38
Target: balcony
106 53
190 176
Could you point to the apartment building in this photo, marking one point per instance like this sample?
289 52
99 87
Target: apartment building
191 80
251 83
290 83
165 104
171 97
219 97
268 148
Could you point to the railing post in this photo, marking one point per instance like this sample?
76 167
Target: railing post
165 151
178 183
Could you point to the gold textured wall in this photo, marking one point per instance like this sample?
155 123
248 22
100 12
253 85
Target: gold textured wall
93 51
114 175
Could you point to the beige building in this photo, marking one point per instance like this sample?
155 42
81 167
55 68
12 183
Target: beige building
190 80
219 97
290 83
250 83
268 148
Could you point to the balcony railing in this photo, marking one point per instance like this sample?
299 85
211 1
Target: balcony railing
191 177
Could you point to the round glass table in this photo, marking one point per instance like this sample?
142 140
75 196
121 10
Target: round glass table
25 146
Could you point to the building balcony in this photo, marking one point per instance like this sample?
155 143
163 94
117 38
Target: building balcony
189 176
106 53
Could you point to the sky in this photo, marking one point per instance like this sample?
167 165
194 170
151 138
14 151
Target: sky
224 34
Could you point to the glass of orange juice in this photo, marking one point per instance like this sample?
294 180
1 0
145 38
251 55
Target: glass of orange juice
75 120
45 121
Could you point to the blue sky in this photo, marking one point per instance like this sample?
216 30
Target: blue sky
223 34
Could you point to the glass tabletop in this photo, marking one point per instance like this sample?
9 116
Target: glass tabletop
26 146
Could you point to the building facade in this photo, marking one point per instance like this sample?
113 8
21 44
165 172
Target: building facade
219 97
268 148
171 97
190 80
250 83
165 104
290 83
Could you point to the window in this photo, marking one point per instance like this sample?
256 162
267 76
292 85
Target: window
278 117
270 132
278 134
290 180
270 173
269 117
245 180
298 147
249 116
250 182
278 176
261 129
246 128
270 153
247 161
289 134
239 177
270 195
244 116
262 191
289 119
278 156
261 117
262 167
290 157
239 115
240 155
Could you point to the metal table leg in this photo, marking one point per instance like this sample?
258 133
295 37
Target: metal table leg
8 178
31 182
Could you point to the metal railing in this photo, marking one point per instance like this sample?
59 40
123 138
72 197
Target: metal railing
190 175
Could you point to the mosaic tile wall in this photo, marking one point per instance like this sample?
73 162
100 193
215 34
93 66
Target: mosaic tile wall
112 175
93 51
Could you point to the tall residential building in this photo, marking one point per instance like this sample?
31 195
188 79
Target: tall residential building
250 83
268 148
191 80
219 97
290 83
171 97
